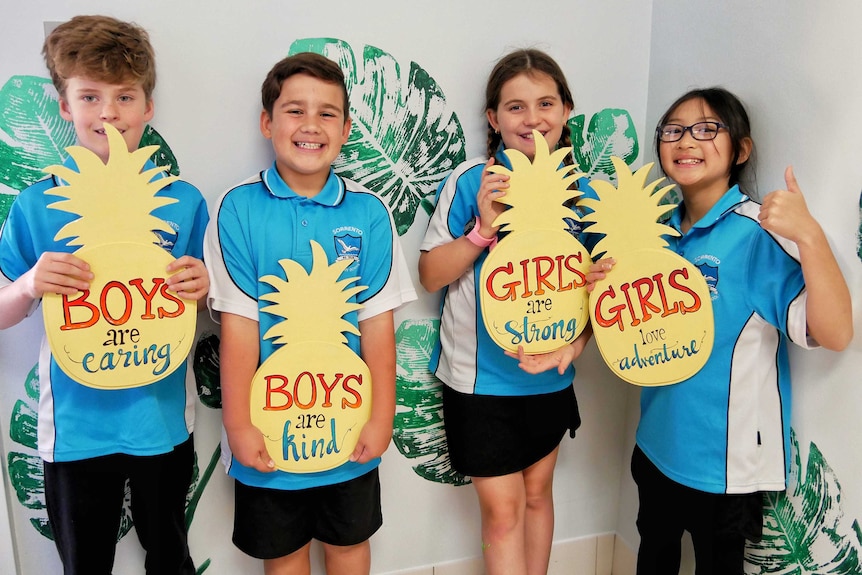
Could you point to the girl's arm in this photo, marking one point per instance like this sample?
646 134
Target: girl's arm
829 311
446 263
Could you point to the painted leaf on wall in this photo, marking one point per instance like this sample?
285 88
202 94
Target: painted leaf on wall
206 369
32 133
404 138
164 157
419 432
804 529
611 132
33 136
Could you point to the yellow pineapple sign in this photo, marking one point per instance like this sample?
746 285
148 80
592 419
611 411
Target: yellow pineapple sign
311 397
128 329
652 314
532 283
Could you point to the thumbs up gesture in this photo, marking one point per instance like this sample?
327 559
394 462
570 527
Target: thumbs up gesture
785 212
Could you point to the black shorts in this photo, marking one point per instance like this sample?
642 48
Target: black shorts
273 523
492 435
85 507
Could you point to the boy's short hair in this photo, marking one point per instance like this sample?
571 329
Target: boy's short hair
102 49
308 63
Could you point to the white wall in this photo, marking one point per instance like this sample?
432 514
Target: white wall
7 550
212 57
797 66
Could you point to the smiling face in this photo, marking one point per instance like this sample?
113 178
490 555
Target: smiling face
89 104
307 127
699 165
529 101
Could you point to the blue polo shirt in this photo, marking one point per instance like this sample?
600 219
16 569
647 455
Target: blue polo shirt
726 429
465 357
262 221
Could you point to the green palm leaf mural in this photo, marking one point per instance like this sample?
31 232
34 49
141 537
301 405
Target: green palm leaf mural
404 139
804 529
164 157
611 132
32 133
206 368
33 136
418 432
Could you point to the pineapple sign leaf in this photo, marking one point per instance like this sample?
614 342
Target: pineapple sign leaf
311 397
127 329
314 326
532 286
652 314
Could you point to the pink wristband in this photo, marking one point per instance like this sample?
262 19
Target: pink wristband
478 239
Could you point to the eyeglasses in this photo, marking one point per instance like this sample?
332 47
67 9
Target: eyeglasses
699 131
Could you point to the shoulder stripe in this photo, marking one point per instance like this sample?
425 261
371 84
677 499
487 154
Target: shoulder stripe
253 180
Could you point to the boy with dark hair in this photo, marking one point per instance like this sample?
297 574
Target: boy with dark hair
271 217
93 440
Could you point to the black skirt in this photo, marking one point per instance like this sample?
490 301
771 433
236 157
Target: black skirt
492 435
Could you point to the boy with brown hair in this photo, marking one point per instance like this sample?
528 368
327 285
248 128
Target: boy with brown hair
93 440
271 217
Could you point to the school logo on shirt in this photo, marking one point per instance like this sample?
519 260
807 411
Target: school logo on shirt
574 227
348 246
167 240
710 274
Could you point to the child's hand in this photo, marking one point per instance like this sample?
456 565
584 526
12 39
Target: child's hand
493 186
247 445
599 271
59 273
373 441
785 213
541 362
192 281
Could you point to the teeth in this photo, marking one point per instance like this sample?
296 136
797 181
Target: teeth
309 146
688 162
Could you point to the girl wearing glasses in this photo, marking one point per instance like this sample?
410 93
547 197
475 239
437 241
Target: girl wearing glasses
709 446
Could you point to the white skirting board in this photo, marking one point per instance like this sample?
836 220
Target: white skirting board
603 554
